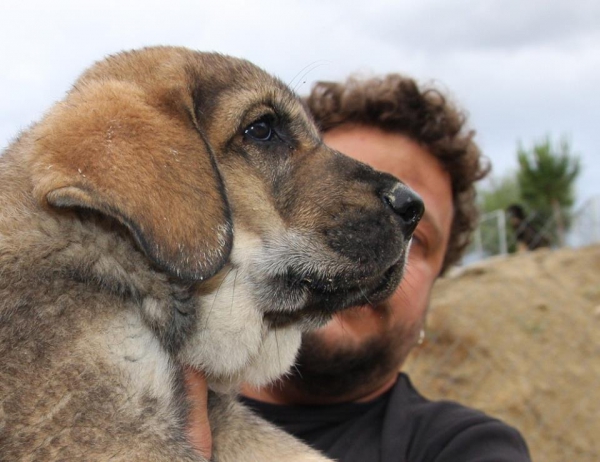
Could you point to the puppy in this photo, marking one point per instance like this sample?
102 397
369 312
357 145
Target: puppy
176 209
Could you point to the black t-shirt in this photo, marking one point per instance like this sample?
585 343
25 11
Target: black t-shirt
400 426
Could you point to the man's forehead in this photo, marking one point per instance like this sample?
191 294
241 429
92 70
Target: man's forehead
407 160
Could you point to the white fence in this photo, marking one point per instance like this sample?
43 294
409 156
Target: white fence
494 237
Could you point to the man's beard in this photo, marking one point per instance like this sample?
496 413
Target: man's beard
323 371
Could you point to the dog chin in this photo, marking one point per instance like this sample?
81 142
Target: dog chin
250 327
274 359
323 298
233 343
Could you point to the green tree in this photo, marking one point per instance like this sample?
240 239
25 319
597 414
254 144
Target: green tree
546 178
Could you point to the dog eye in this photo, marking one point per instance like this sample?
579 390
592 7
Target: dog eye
259 130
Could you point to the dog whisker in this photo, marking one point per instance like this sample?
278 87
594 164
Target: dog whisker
364 295
298 373
278 350
306 70
340 320
233 290
215 297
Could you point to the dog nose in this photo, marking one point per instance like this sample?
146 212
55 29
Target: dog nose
407 205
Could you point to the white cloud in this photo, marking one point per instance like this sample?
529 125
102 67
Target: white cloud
437 26
521 68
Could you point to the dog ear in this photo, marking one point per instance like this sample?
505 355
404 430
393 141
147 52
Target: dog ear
109 148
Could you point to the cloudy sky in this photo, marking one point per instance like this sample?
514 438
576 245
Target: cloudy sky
523 69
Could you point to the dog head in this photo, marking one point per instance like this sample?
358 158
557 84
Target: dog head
220 176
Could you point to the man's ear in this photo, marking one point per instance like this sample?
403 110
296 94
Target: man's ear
109 149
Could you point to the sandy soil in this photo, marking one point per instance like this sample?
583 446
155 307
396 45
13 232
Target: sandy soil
519 337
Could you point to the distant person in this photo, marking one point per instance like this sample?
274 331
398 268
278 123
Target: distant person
528 236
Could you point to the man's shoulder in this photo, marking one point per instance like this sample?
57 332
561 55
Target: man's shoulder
427 412
448 431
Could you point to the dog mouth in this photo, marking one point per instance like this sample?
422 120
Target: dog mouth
324 296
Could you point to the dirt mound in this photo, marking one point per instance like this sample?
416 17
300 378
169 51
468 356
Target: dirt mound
519 337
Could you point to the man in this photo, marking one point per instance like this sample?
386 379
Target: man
346 397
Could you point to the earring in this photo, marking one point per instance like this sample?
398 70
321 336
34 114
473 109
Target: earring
421 337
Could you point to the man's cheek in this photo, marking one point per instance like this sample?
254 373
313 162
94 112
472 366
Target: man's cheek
412 297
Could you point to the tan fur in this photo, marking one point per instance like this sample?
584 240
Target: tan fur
143 230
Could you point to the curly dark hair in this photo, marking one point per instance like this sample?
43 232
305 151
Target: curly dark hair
395 103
